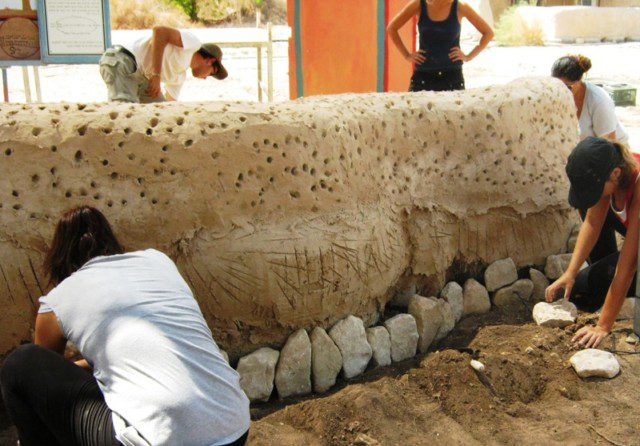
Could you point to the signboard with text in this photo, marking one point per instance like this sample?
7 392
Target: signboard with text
59 31
73 31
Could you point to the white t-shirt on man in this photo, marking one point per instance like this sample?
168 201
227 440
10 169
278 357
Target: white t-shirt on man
175 60
598 117
134 319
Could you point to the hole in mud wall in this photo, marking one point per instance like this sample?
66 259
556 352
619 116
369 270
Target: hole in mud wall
461 270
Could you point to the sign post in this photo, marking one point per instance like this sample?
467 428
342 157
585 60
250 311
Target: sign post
57 32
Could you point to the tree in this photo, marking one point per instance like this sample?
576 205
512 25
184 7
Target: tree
190 7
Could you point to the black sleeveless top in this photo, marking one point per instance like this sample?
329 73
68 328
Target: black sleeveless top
437 38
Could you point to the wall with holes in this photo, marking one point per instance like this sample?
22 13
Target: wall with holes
294 214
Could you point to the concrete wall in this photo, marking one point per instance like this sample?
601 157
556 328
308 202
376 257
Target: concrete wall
568 23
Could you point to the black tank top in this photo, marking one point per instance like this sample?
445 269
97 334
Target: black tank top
437 38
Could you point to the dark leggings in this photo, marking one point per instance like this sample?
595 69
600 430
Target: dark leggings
52 401
448 80
593 282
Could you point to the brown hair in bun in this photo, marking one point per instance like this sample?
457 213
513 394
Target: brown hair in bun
571 67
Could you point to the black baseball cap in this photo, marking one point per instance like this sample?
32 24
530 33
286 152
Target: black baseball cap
588 168
214 51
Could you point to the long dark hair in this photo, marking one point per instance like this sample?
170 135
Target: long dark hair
81 234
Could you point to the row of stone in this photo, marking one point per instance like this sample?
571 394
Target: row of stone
312 361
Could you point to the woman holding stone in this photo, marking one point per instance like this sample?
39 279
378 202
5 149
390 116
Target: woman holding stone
152 374
595 109
605 188
438 62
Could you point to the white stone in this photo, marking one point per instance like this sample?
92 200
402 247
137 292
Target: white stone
556 265
628 310
515 294
350 337
380 342
557 314
500 273
403 333
257 371
452 293
428 318
293 372
326 360
540 284
632 338
475 298
404 293
477 366
571 243
448 319
593 362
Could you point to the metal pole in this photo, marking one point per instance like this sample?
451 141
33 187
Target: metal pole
36 80
5 85
259 50
27 87
269 63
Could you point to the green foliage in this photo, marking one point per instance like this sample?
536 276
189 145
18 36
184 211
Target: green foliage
512 30
190 7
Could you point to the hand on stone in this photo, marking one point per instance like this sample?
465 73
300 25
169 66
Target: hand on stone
563 282
418 57
456 54
590 336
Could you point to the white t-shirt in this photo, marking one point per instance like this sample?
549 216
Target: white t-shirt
598 117
134 319
175 61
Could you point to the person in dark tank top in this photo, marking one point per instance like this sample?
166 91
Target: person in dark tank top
438 61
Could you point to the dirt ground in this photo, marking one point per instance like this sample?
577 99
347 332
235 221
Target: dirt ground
530 398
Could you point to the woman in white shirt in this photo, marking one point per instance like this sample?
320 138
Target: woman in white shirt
151 374
595 109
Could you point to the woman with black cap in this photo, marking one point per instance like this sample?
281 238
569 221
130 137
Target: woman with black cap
605 189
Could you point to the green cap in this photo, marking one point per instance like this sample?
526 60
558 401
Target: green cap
214 51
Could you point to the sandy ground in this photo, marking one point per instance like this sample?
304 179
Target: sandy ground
435 399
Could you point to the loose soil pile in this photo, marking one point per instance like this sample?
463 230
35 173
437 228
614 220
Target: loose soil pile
532 395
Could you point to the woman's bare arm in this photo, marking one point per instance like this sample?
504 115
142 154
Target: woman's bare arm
48 333
410 9
587 238
626 268
466 11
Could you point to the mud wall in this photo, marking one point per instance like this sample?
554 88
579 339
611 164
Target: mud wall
294 214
